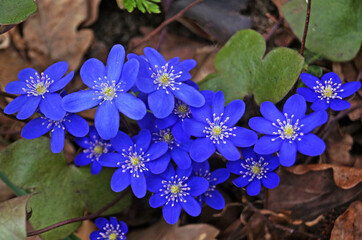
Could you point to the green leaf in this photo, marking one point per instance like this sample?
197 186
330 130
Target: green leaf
142 5
16 11
241 69
13 218
63 190
335 27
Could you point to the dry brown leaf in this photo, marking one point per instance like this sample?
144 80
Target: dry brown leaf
356 114
93 6
338 148
85 230
344 177
279 4
52 33
348 226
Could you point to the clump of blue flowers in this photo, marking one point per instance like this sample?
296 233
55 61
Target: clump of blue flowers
111 229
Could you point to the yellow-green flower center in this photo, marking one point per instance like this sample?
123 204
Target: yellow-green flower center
216 131
164 78
328 91
112 236
255 169
135 161
40 88
288 130
167 137
98 149
182 108
109 92
175 189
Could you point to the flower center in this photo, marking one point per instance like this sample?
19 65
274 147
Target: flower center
254 168
113 236
288 130
328 90
136 160
98 149
165 135
217 131
38 86
166 77
109 92
182 110
175 189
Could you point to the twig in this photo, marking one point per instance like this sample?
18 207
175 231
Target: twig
273 29
79 219
165 23
5 94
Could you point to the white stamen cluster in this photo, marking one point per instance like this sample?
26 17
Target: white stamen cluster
166 78
175 190
110 233
38 86
288 130
255 168
106 90
217 131
207 175
182 110
56 123
97 148
328 90
135 162
165 135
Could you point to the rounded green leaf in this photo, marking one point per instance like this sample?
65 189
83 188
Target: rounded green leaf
16 11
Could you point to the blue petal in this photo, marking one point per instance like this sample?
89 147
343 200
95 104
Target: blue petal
173 61
76 125
154 183
194 128
219 175
51 106
143 140
201 167
130 106
61 83
339 104
181 158
348 89
29 107
311 145
159 165
234 111
124 227
313 120
331 75
228 150
129 74
95 235
80 101
171 214
114 222
96 168
156 150
15 105
107 120
271 181
179 134
111 160
218 104
161 103
319 105
202 149
57 140
208 95
254 187
202 113
235 166
115 62
241 181
146 85
244 137
35 128
120 180
266 145
248 152
215 201
56 71
138 185
156 200
309 80
82 160
16 87
308 94
197 185
188 64
189 95
26 73
148 122
288 153
191 206
183 172
166 122
273 163
121 141
92 72
192 84
270 111
154 57
101 222
295 105
93 134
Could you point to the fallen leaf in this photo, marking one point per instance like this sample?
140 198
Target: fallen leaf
348 226
279 4
356 114
86 229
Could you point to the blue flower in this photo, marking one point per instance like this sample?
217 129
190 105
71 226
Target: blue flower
176 190
73 123
255 170
94 147
108 90
214 129
39 90
132 160
288 132
109 230
163 81
211 197
327 92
